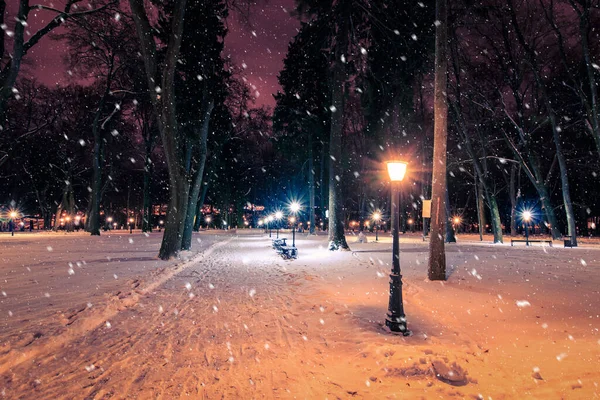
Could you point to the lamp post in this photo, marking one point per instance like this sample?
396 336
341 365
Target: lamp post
376 217
13 215
278 216
108 223
207 220
160 224
294 208
455 223
527 218
269 221
131 220
396 319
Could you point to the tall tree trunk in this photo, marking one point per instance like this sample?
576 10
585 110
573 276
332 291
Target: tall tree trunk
311 185
495 217
437 253
94 211
337 238
186 241
562 164
147 202
164 105
480 207
513 201
322 181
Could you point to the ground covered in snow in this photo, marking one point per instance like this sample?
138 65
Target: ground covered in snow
84 317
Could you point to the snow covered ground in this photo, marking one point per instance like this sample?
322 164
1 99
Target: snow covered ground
237 321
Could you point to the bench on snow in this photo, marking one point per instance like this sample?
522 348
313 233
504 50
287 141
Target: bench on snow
277 243
288 252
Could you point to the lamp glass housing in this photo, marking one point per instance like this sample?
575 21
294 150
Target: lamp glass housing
396 170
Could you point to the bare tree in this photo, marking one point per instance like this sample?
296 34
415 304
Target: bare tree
11 68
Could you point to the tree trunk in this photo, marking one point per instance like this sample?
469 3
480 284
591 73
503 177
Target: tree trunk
480 207
513 201
186 241
322 182
147 202
337 238
495 216
94 211
437 254
165 108
311 185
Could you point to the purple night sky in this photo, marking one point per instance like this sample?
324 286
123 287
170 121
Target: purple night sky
261 47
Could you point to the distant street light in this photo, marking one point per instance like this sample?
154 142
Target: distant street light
456 221
376 217
526 215
131 221
269 221
108 222
278 216
160 224
396 319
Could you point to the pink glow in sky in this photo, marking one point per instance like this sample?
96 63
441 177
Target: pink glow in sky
258 48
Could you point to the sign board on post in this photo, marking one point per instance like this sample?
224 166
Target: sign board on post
426 208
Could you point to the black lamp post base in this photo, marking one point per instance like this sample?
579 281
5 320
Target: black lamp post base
397 324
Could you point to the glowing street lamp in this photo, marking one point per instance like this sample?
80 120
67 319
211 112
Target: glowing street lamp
131 221
160 225
108 222
396 319
294 208
376 217
13 215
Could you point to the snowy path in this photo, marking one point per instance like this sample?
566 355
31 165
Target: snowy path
239 322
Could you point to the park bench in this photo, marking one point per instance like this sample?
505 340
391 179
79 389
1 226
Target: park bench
530 241
277 243
288 252
568 243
